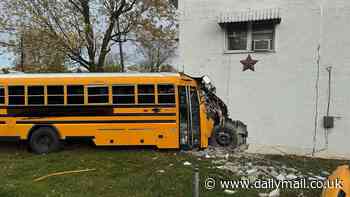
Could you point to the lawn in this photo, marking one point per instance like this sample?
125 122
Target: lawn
121 172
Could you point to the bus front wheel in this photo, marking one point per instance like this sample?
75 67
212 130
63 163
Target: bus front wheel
225 135
44 140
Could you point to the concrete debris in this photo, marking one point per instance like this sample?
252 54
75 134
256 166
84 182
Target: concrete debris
321 178
186 163
274 193
263 195
325 173
291 177
281 177
248 166
227 191
301 195
207 156
252 171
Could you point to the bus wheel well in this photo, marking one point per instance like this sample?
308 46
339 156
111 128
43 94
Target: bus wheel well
36 127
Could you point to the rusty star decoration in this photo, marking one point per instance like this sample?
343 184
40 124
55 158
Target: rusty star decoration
248 63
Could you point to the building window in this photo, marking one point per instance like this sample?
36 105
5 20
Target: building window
123 94
166 94
16 95
2 95
237 36
75 94
36 95
98 94
251 36
55 95
145 94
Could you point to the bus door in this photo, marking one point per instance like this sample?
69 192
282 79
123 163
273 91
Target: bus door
189 117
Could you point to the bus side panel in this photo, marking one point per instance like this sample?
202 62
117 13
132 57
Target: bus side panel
163 135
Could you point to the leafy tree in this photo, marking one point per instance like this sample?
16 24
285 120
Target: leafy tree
39 53
85 30
156 36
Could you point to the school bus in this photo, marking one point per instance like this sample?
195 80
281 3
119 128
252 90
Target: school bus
166 110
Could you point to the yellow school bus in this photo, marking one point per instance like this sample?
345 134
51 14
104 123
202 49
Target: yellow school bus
166 110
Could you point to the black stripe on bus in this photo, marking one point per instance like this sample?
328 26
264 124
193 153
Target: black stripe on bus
70 114
2 122
88 106
92 121
9 138
85 110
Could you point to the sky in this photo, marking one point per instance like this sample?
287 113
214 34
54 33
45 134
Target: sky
5 60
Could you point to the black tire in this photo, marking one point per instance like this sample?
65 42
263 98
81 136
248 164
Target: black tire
44 140
225 135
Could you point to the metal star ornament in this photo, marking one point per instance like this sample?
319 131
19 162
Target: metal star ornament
248 63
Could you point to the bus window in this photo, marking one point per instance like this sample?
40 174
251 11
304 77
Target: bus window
123 94
2 95
166 94
98 94
55 95
16 95
145 94
36 95
75 94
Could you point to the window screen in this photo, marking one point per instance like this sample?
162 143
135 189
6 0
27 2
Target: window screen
16 95
2 95
166 94
98 94
145 94
36 95
55 95
123 94
75 94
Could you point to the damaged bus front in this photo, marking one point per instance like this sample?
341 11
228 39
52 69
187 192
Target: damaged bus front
207 120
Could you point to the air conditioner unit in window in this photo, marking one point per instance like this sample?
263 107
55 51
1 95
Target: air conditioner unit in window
262 45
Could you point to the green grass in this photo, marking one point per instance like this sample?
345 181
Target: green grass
120 172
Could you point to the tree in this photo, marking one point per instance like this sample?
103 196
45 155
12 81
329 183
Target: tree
157 35
38 53
85 29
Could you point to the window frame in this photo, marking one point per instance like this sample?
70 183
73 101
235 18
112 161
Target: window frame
68 95
35 95
55 95
123 85
147 94
97 95
17 95
250 32
4 96
160 94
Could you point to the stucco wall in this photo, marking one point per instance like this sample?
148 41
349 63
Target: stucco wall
277 101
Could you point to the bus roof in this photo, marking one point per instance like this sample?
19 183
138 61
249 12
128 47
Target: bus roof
75 75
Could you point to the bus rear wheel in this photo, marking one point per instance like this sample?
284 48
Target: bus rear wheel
44 140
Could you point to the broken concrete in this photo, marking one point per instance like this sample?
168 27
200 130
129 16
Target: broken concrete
248 166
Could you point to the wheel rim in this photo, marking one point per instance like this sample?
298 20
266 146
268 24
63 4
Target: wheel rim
44 142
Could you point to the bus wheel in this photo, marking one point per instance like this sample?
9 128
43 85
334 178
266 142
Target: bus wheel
226 135
44 140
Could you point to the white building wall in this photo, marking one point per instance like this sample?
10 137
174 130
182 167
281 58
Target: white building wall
277 101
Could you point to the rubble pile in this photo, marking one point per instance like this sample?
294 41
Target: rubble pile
252 167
